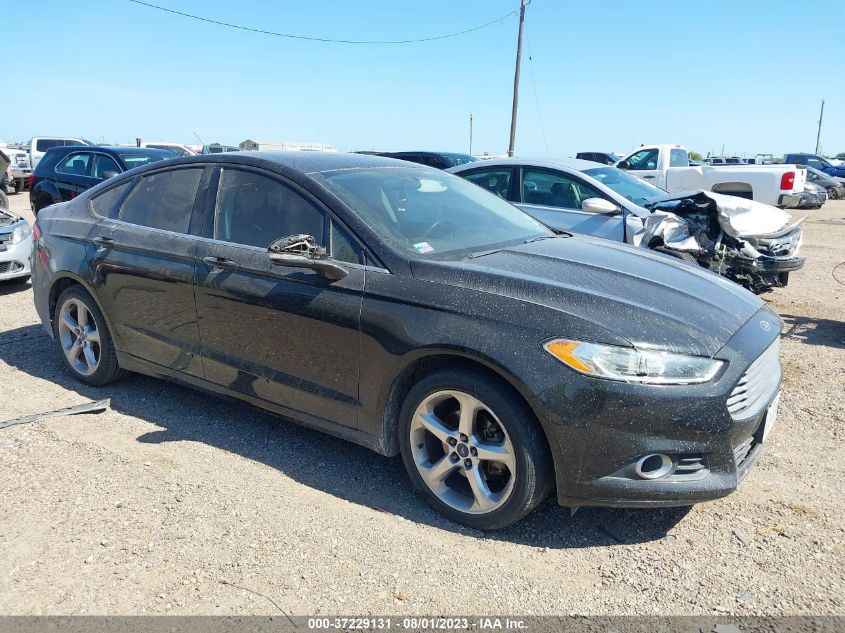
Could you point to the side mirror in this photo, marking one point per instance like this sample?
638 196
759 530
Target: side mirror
109 174
302 251
599 205
623 164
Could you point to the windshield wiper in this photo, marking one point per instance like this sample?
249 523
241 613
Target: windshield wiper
483 253
548 237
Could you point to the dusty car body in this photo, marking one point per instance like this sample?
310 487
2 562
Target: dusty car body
697 226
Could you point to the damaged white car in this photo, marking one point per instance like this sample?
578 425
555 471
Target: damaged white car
751 243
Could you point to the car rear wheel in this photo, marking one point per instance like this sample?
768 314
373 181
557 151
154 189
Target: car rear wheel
832 193
473 449
83 338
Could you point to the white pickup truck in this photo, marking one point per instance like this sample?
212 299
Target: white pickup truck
668 167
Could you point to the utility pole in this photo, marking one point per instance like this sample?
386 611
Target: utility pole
523 4
819 135
470 133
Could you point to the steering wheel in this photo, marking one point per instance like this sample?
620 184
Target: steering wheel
439 229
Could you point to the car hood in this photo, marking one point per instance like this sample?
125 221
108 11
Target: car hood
649 299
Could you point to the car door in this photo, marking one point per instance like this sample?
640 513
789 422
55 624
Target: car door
282 335
104 167
556 198
645 164
143 268
73 174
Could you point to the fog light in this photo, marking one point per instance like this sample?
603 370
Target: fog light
653 466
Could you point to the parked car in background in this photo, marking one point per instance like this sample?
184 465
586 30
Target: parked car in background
818 162
217 148
5 179
753 244
15 247
65 172
724 160
835 186
503 361
605 158
177 148
38 145
816 196
439 160
668 167
19 162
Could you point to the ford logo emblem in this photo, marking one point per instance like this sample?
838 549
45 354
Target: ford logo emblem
765 325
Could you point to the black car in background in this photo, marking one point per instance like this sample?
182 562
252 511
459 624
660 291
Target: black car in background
65 172
605 158
411 311
439 160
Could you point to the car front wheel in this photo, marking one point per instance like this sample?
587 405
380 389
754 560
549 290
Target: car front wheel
473 449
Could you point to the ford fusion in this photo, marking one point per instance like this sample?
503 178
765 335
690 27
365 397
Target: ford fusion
414 313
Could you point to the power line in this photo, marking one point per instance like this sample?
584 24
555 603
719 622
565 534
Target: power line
324 39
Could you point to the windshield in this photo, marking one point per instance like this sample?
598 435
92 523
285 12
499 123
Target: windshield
137 159
429 213
634 189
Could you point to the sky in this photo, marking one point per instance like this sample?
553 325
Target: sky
605 75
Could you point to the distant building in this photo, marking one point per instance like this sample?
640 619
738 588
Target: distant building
284 146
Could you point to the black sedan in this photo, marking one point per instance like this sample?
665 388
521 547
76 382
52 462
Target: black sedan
412 312
65 172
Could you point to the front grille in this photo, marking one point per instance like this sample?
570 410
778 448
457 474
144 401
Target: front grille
742 452
757 386
4 267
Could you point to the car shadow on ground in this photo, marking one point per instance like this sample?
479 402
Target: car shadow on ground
12 286
334 466
812 331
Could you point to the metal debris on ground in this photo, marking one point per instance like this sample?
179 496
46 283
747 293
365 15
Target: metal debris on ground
88 407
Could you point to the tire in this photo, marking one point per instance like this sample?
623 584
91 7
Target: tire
75 355
677 255
832 193
783 279
4 201
20 184
502 492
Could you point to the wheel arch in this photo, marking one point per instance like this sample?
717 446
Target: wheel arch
738 189
62 282
427 361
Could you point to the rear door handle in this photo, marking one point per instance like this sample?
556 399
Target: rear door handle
103 242
219 262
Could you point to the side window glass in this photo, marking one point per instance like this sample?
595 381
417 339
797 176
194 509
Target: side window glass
163 200
104 167
555 190
255 210
678 158
815 162
496 181
105 204
344 248
644 159
75 164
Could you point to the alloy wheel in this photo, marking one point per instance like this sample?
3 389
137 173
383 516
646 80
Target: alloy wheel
832 193
463 452
79 337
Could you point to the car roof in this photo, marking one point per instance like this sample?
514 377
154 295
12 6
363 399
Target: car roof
577 164
110 149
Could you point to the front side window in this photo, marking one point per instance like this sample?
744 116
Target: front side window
104 167
140 158
105 204
76 165
817 163
496 181
431 214
163 200
255 210
644 159
555 189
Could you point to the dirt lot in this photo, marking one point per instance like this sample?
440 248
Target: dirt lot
177 502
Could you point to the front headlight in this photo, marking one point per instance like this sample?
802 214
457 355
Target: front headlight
21 233
632 365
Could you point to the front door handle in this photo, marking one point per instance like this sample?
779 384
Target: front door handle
103 242
219 262
650 177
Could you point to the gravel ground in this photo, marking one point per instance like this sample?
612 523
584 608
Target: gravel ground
178 502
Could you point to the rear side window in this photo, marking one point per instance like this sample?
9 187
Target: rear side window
105 204
43 144
678 158
163 200
75 164
496 181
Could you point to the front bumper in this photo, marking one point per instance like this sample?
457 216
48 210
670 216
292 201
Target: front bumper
600 430
14 260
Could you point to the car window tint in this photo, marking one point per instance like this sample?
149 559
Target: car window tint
105 204
104 164
644 159
555 189
255 210
344 248
163 200
75 164
43 144
496 181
